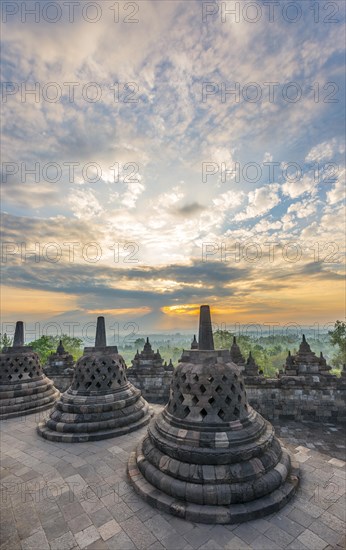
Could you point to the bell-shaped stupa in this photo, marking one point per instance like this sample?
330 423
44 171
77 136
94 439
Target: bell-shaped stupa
24 388
209 457
150 374
100 403
236 355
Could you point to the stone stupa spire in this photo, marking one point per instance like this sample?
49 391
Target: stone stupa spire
18 340
194 343
100 339
205 336
60 350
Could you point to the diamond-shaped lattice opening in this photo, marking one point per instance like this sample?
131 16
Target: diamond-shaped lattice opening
203 413
93 377
183 377
195 377
98 385
25 369
109 383
228 400
98 371
202 388
236 411
30 374
174 407
210 379
224 378
218 389
188 387
103 362
9 377
239 398
16 370
20 376
246 407
241 386
109 369
221 414
119 381
186 412
211 400
87 385
181 398
233 388
195 400
177 385
235 377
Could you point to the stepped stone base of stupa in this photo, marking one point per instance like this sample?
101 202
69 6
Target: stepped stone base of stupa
24 388
178 495
27 398
79 418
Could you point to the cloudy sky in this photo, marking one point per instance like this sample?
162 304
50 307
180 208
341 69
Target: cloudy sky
162 154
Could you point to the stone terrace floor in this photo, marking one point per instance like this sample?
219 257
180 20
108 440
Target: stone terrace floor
74 496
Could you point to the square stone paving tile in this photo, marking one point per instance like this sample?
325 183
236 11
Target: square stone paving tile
109 529
77 496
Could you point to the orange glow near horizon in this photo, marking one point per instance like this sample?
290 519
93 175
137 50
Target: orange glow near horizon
27 303
301 302
121 311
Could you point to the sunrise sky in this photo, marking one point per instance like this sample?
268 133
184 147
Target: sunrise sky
148 187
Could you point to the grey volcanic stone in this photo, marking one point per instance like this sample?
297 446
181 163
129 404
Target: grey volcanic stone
101 402
60 368
305 362
209 457
205 337
24 388
150 375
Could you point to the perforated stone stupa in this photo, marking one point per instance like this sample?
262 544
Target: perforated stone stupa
60 367
209 457
251 368
100 403
236 354
150 374
306 362
24 388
